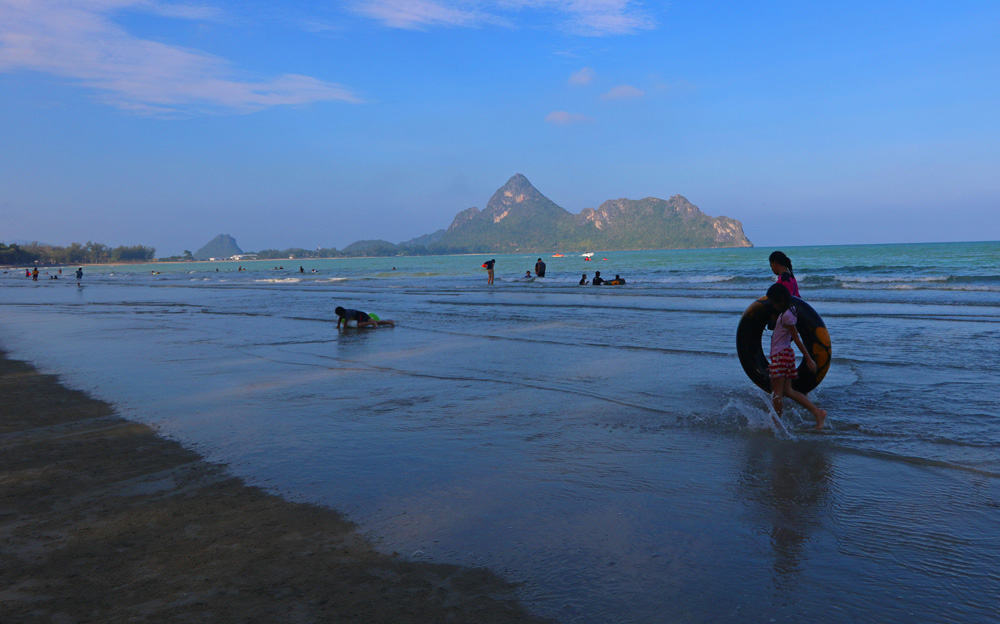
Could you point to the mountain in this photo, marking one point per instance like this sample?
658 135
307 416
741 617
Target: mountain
370 248
518 218
222 246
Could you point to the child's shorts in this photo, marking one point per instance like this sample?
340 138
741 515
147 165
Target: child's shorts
783 365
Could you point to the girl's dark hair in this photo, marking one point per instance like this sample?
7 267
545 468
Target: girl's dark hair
782 259
338 310
779 294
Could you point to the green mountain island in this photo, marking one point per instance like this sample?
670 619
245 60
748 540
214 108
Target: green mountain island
222 246
518 218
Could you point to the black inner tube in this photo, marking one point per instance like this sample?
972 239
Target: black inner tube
811 329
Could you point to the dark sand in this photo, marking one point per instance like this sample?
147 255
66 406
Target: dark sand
101 520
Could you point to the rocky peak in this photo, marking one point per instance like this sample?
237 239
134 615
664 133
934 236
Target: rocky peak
517 193
467 215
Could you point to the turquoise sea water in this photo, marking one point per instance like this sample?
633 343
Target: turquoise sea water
599 444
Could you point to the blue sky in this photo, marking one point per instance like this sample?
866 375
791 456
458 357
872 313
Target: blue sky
320 123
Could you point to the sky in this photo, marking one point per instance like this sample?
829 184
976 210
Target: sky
308 124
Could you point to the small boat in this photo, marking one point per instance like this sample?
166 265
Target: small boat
558 255
589 254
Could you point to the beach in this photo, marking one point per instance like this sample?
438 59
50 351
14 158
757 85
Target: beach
599 449
104 521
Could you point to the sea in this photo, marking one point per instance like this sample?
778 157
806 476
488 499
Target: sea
600 446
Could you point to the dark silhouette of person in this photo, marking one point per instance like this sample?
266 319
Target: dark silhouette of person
583 280
363 319
540 268
598 280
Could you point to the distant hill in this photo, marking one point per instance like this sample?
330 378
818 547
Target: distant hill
222 246
371 248
518 218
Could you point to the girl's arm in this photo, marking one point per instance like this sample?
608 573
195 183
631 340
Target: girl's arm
805 354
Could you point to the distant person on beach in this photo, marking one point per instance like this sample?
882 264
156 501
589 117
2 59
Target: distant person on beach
27 272
301 270
34 274
79 275
488 265
540 268
781 265
583 280
527 275
363 319
598 280
618 279
782 368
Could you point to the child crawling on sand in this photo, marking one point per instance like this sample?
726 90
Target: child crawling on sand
782 368
362 319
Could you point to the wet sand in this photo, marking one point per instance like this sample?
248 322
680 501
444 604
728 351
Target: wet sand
101 520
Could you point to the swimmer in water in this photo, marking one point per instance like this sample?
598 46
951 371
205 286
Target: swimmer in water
363 319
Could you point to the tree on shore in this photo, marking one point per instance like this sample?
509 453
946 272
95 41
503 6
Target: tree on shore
75 253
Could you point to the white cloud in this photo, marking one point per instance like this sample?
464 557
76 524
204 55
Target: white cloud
581 77
563 118
78 40
623 92
415 14
583 17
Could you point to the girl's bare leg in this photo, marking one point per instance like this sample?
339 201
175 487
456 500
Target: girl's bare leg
777 394
803 400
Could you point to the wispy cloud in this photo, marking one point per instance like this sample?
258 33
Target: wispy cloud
583 17
582 77
564 118
80 41
623 92
417 14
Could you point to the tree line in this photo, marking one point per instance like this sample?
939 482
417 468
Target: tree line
75 253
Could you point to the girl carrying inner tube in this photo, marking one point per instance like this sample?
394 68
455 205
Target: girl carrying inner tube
782 367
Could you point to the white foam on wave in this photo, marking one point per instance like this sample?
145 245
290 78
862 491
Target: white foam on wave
693 279
279 280
887 279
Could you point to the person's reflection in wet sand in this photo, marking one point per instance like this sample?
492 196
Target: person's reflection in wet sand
788 483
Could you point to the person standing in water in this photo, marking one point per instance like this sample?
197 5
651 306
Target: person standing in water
781 265
488 265
583 280
79 275
540 268
782 367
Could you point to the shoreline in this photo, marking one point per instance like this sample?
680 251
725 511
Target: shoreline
103 520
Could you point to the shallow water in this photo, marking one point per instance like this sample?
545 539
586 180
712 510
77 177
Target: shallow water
602 445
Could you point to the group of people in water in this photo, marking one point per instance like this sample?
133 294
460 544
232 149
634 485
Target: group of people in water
600 281
540 272
33 274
